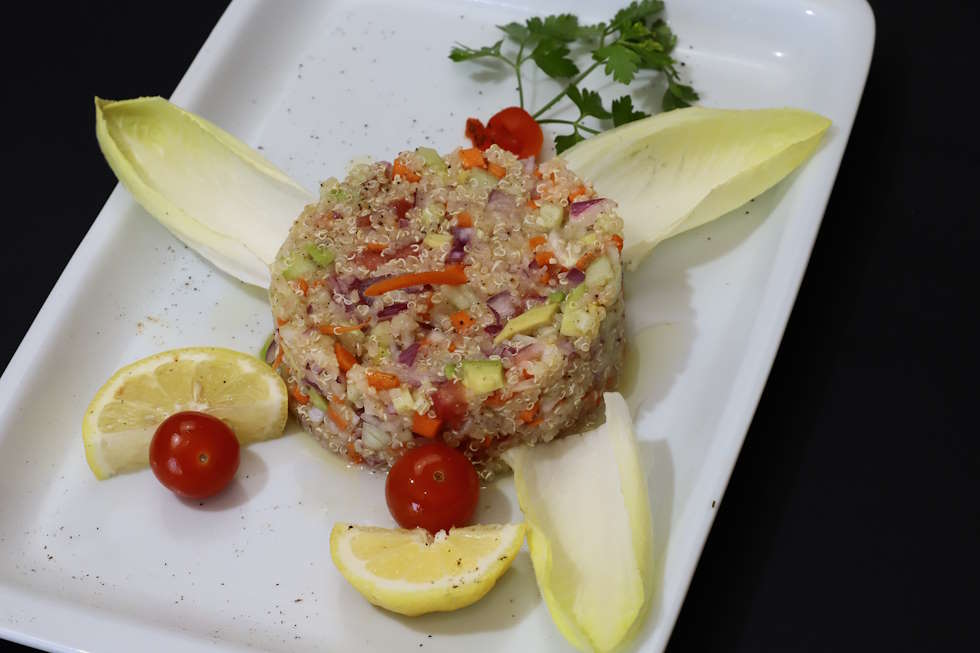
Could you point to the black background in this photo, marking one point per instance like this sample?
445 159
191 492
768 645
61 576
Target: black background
851 520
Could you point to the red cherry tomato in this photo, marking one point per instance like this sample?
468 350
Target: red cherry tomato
434 487
512 128
194 455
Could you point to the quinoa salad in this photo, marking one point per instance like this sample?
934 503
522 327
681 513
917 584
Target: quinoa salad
474 298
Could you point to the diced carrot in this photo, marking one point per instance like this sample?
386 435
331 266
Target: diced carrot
335 414
526 375
338 329
535 422
298 395
545 277
535 241
452 347
352 453
537 172
586 259
497 171
464 219
345 359
451 275
531 204
280 321
399 169
581 190
472 157
375 247
427 427
618 240
527 416
543 257
495 401
382 380
461 321
304 286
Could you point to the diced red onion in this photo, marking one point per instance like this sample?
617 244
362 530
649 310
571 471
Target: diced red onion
533 300
455 256
309 380
528 164
493 329
585 212
463 234
503 305
566 346
407 355
315 415
461 237
272 352
574 277
391 311
309 308
529 353
575 209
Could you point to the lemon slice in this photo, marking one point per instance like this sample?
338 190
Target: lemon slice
412 572
235 387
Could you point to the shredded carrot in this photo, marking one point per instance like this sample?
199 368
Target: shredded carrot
527 416
298 395
618 240
531 204
345 359
472 157
335 416
545 277
399 169
452 275
452 347
280 321
495 401
427 427
543 257
581 190
586 259
382 380
535 422
464 219
497 171
461 321
535 241
352 453
375 247
304 286
338 329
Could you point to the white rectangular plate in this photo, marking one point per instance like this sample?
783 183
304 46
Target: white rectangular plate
122 565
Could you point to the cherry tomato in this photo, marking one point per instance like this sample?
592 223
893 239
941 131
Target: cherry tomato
512 128
194 455
432 486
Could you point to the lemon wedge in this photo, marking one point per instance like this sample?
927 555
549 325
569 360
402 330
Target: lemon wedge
240 389
412 572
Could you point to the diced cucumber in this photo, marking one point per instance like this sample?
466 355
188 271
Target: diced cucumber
574 296
483 376
550 215
316 398
321 255
481 177
580 321
556 297
435 241
402 400
431 216
459 296
298 267
449 370
599 273
532 319
431 158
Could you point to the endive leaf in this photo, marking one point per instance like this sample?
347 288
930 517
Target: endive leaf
585 503
678 170
209 189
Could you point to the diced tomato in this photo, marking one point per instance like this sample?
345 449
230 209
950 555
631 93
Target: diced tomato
449 402
401 207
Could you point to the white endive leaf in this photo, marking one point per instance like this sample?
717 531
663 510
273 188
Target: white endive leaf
585 503
209 189
678 170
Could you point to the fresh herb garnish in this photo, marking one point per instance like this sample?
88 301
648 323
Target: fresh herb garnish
636 39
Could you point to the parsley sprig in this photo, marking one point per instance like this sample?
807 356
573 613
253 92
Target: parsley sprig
635 40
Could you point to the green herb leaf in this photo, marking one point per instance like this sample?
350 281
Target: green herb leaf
623 111
565 141
589 103
637 12
515 31
465 53
563 27
678 95
552 58
663 35
621 62
591 33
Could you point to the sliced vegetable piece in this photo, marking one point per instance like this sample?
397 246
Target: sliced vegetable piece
472 158
599 273
321 254
678 170
483 376
382 380
427 427
213 192
345 359
436 241
585 502
526 321
453 275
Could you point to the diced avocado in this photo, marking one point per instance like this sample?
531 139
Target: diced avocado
321 255
556 297
432 159
449 370
580 321
599 273
532 319
550 215
401 399
297 267
574 296
483 376
435 241
431 216
316 398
